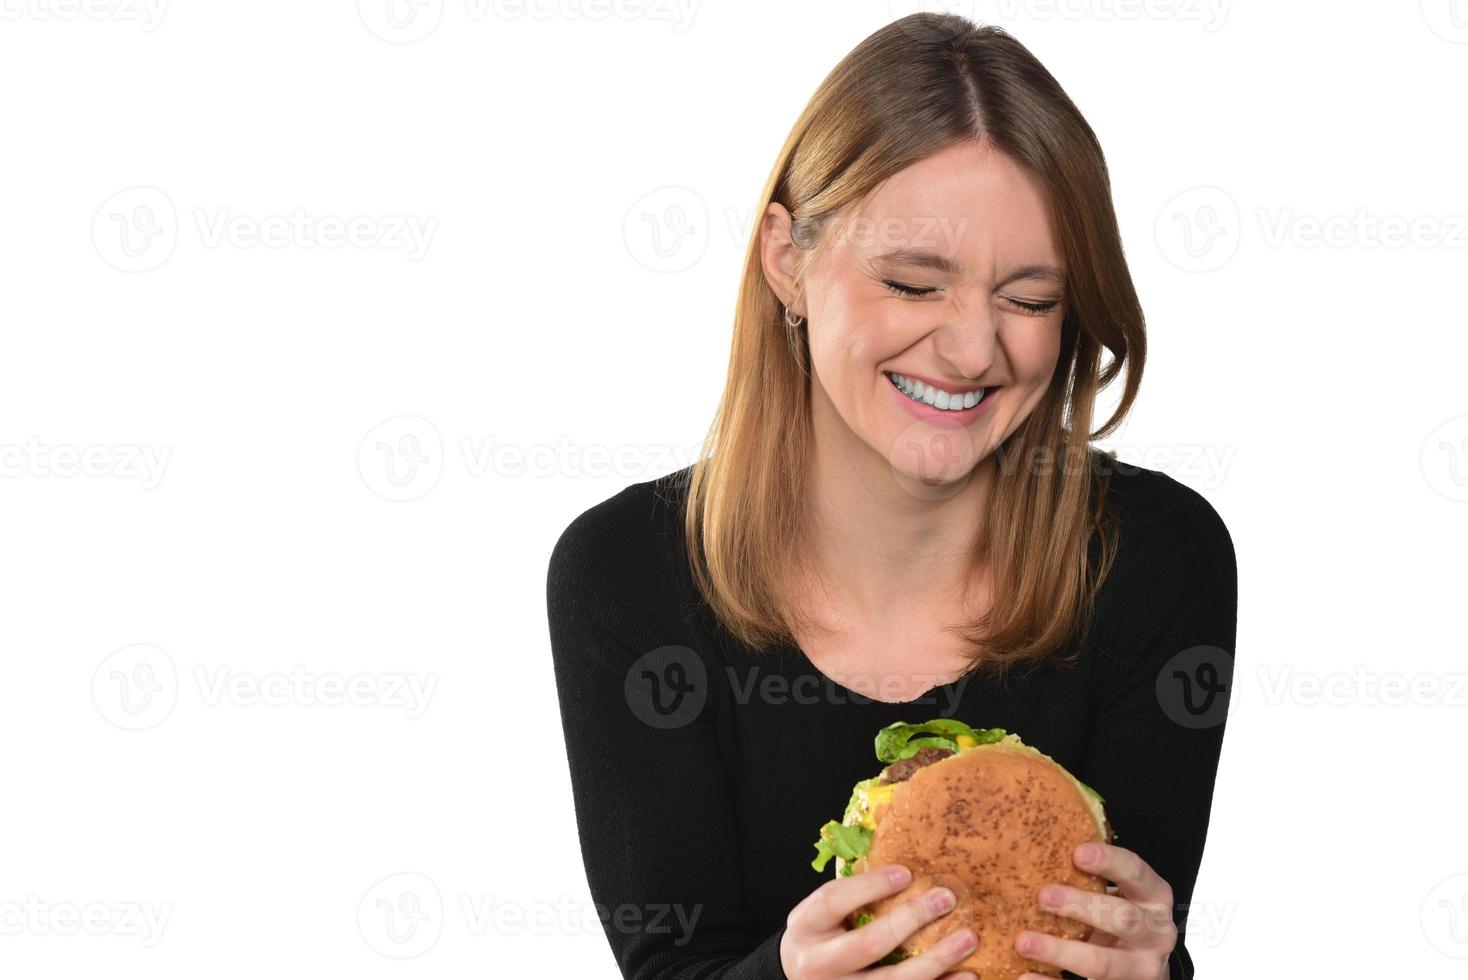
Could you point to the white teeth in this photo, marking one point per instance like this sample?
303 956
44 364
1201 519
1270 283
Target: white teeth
919 391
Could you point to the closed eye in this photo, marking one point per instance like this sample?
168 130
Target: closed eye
903 289
1035 308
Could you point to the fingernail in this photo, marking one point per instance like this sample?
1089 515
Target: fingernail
964 939
899 875
940 899
1050 895
1088 854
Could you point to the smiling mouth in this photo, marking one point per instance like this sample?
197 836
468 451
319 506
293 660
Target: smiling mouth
926 394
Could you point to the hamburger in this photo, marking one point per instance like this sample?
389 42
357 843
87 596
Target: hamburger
981 813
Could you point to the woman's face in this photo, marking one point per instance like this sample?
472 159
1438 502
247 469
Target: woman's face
934 312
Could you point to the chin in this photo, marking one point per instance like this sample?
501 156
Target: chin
932 462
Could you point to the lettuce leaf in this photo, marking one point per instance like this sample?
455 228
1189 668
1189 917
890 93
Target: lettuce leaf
843 841
896 741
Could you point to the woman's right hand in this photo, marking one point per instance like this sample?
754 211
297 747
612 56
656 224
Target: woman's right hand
818 946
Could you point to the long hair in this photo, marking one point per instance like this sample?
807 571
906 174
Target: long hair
916 86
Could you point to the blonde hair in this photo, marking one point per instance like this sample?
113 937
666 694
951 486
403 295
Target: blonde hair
914 87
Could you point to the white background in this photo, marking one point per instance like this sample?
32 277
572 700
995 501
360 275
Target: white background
242 466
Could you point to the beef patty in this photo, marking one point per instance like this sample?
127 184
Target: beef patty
902 769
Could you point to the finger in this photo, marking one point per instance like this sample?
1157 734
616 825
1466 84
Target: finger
1073 955
1141 926
861 947
826 908
937 960
1086 959
1135 879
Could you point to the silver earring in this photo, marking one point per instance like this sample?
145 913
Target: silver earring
796 323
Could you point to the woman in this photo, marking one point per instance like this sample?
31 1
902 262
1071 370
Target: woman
898 515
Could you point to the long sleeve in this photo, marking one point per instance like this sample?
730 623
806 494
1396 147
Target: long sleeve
652 796
1158 723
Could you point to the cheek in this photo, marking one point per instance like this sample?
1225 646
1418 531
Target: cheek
1034 352
850 335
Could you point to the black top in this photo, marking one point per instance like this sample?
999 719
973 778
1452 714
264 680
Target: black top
702 771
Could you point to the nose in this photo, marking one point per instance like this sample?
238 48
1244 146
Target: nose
969 343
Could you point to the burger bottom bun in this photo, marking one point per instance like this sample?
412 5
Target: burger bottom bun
994 825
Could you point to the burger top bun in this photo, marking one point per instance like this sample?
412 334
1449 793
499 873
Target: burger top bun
994 824
977 811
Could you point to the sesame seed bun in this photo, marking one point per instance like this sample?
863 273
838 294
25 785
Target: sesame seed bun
994 823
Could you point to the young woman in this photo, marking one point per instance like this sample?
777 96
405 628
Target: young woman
899 515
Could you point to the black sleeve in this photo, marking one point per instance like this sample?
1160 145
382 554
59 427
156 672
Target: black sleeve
652 797
1162 700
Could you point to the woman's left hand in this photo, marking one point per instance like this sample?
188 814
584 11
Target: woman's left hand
1132 929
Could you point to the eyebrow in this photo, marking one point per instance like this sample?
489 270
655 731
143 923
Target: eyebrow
923 259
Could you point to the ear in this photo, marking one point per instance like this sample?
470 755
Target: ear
779 257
